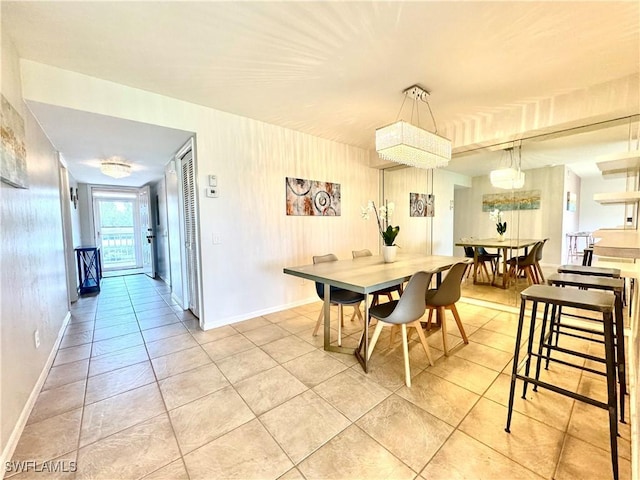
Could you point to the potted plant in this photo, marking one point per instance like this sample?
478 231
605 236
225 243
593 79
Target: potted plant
387 231
501 227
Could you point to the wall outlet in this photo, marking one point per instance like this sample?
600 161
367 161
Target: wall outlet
212 192
216 239
36 338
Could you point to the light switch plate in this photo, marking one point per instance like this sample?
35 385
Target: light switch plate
213 180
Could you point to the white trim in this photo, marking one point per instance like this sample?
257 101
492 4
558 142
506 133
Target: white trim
258 313
12 443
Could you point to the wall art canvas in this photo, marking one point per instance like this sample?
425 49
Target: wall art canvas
572 200
13 153
514 200
311 197
421 205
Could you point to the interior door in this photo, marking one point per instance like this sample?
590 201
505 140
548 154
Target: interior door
190 230
147 234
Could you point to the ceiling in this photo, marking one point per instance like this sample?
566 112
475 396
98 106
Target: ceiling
330 69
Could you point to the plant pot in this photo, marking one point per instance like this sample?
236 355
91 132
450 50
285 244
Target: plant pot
389 253
501 237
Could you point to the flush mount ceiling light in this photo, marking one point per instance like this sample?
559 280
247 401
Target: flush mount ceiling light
115 167
405 143
511 177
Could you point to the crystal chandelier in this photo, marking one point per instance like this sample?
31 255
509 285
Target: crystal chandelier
115 167
508 178
405 143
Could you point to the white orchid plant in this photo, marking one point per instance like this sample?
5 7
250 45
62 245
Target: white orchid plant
496 216
387 232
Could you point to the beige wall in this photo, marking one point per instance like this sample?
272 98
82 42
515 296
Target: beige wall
471 221
242 277
32 276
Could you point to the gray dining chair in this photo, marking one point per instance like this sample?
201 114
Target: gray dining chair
339 297
405 312
444 298
385 291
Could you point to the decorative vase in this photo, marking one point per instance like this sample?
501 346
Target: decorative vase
501 237
389 253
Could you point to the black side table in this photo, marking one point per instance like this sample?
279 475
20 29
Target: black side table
89 269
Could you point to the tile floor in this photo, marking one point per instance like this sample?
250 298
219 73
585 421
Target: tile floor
138 391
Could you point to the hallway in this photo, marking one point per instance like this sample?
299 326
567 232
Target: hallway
138 391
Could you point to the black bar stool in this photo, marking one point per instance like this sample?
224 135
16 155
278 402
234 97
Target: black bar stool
600 302
588 282
587 270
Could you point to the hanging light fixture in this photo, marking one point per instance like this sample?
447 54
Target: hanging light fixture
511 177
115 167
405 143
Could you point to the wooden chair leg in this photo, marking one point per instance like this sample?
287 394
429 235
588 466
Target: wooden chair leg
423 340
374 338
539 273
405 351
486 272
319 322
529 274
429 319
357 313
443 323
389 296
456 316
376 300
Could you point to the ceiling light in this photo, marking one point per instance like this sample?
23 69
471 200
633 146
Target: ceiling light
408 144
507 178
115 167
511 177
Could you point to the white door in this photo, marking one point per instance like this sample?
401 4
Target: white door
190 230
147 234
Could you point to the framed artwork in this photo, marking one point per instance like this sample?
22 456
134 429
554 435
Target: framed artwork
515 200
572 199
13 153
421 205
312 198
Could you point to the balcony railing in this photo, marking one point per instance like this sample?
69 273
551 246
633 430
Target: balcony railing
118 247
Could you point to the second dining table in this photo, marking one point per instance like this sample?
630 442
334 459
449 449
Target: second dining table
504 245
366 275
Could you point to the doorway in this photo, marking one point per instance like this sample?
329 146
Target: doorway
123 230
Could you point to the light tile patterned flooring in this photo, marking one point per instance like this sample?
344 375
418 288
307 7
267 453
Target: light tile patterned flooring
138 391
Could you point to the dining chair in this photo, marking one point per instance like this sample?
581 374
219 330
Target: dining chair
525 264
405 312
339 297
385 291
444 298
538 268
483 258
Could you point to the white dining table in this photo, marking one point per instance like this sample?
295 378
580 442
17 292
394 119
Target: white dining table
366 275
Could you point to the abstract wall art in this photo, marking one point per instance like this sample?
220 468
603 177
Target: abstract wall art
312 197
515 200
13 153
421 205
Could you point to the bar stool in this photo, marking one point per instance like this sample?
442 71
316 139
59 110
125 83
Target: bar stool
589 282
588 270
593 301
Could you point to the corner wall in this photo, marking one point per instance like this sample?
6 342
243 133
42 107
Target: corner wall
33 283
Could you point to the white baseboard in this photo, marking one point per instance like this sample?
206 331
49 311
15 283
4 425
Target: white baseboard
257 313
10 447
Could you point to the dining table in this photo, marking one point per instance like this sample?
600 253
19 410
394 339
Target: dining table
366 275
508 244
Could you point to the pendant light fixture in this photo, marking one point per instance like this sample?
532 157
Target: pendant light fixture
510 177
402 142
